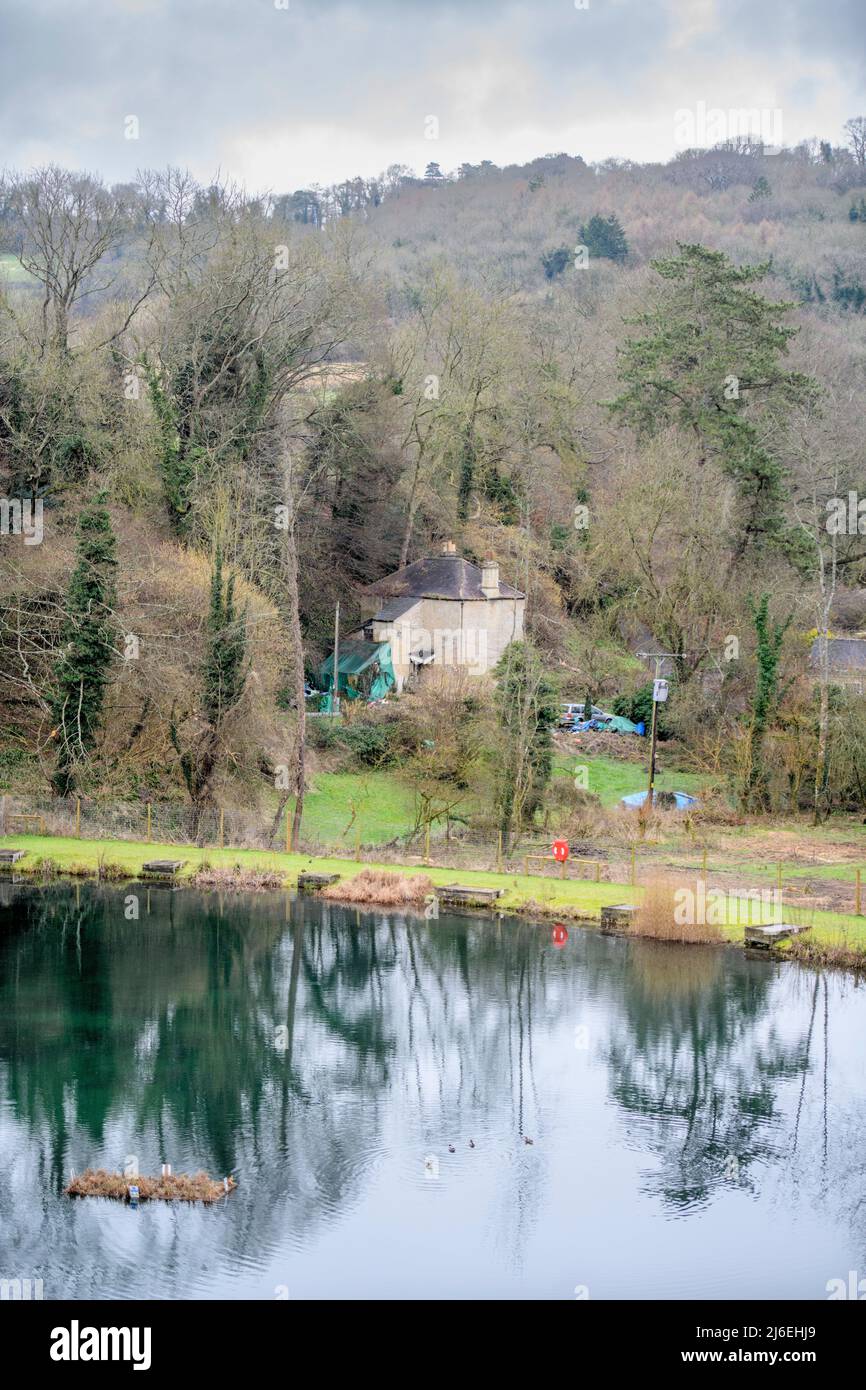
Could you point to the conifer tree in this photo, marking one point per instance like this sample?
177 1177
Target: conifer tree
711 362
87 653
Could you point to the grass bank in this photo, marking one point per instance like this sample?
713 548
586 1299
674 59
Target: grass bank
835 937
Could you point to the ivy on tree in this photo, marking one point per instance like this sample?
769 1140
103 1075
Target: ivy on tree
527 710
87 636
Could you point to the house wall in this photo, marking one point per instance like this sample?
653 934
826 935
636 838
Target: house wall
470 634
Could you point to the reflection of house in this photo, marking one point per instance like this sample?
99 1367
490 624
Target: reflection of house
443 612
847 660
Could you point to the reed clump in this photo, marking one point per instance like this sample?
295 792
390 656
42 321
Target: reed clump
182 1187
381 888
236 877
663 915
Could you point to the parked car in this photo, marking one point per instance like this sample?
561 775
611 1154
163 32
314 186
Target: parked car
568 713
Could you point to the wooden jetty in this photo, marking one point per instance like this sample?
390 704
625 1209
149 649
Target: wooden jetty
616 919
312 883
164 869
764 938
10 856
467 895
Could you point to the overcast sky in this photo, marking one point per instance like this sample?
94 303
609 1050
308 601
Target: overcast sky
282 93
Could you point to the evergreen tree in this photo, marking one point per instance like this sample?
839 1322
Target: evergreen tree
555 261
604 236
761 189
713 348
82 669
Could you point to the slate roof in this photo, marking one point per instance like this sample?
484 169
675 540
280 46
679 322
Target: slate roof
844 654
436 576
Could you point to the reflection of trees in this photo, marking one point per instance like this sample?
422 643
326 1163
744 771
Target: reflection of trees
698 1068
289 1040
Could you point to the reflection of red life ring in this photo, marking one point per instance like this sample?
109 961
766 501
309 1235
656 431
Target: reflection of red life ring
560 935
560 851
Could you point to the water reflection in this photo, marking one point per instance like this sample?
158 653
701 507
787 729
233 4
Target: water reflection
684 1100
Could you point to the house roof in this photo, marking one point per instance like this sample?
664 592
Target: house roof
436 576
395 608
843 653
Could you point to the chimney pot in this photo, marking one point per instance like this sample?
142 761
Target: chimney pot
449 548
490 579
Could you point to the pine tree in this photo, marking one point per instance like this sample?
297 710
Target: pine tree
713 349
604 236
82 669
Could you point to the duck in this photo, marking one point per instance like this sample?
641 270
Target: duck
472 1143
451 1149
527 1140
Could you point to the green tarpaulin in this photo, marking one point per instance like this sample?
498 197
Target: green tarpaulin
620 725
365 672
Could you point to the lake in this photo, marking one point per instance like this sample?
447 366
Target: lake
697 1118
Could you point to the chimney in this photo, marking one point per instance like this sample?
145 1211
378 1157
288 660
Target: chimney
490 579
449 548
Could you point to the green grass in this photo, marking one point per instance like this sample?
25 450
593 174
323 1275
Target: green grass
383 808
611 780
570 898
13 272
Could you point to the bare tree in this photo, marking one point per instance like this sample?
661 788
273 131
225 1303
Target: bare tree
855 129
66 224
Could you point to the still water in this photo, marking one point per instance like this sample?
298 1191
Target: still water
698 1120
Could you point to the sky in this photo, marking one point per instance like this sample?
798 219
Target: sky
279 94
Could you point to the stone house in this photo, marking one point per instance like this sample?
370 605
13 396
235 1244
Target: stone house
443 612
846 657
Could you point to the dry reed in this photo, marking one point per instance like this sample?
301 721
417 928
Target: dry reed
184 1187
656 916
381 888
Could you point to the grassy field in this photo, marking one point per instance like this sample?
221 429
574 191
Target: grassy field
575 899
611 779
12 272
343 804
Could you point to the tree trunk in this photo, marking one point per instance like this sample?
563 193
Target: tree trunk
296 651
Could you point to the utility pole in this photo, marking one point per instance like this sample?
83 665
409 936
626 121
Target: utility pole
335 688
660 694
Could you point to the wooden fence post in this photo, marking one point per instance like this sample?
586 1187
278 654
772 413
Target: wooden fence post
427 843
857 911
222 827
499 854
358 843
633 867
78 817
149 821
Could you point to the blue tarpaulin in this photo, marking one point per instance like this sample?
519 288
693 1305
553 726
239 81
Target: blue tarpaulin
682 799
